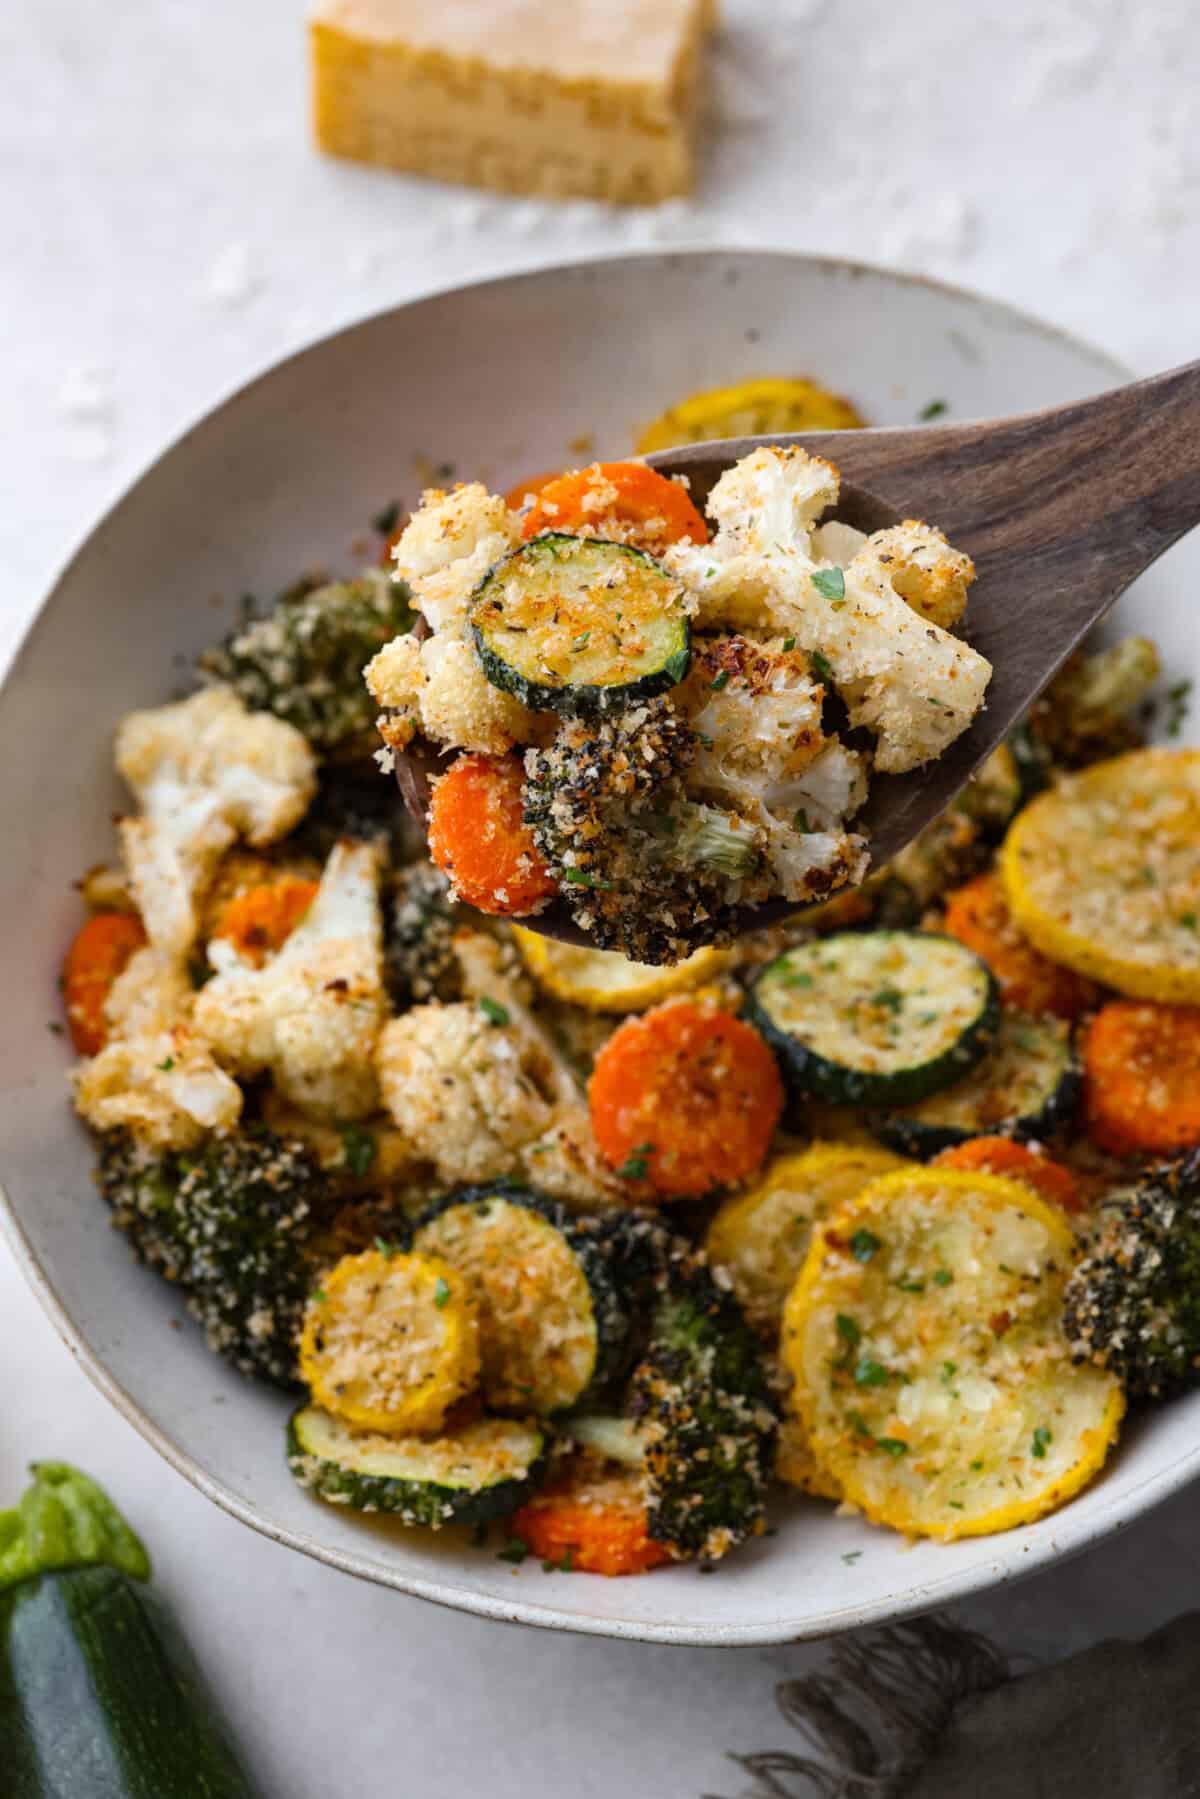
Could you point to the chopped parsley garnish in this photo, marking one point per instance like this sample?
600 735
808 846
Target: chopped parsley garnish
385 522
441 1293
721 680
789 643
167 1065
910 1286
949 1370
851 1556
492 1010
893 1446
1186 919
942 1276
386 1249
636 1167
849 1330
55 1026
563 1567
577 877
1041 1440
821 667
514 1551
706 741
581 642
863 1245
1178 699
870 1373
320 1295
801 821
800 978
891 997
830 583
858 1422
932 409
359 1148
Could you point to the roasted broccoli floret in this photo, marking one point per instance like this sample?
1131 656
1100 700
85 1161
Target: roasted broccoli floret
304 662
232 1224
699 1418
419 960
1133 1302
1090 709
645 870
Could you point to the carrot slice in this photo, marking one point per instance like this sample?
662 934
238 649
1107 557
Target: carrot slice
260 920
596 1526
517 495
978 916
625 500
1142 1068
1000 1155
98 955
685 1098
479 838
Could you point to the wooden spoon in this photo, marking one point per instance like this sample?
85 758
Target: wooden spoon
1060 510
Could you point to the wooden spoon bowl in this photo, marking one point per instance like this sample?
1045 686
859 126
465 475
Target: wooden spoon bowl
1059 510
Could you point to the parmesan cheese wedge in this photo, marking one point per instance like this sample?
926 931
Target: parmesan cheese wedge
597 101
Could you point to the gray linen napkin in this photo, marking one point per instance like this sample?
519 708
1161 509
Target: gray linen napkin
929 1711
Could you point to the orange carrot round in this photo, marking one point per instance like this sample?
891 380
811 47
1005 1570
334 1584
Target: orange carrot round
517 495
1000 1155
626 500
685 1098
260 920
479 838
1142 1068
594 1528
978 916
98 955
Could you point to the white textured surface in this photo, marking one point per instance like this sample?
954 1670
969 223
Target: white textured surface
164 231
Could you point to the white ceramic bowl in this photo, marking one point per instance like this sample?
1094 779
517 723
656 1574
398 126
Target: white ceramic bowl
496 379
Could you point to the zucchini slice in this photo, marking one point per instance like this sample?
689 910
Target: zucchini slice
580 625
876 1017
933 1378
761 1237
1103 874
1029 1086
391 1342
481 1471
553 1326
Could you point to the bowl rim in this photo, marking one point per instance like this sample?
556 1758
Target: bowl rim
1118 1514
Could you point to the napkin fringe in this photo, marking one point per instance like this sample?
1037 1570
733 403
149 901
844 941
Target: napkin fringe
876 1717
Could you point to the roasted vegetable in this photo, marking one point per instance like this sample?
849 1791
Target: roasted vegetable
701 1403
1142 1077
419 960
1103 874
604 981
480 839
876 1017
751 409
479 1471
553 1321
644 869
685 1098
580 625
931 1372
99 951
1090 709
622 500
100 1697
231 1224
591 1520
1027 1086
304 661
391 1341
1133 1303
978 915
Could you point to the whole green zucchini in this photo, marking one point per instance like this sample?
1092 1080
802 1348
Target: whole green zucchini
100 1697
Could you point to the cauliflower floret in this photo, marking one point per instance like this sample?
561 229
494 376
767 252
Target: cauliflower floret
449 545
312 1014
439 689
922 568
836 542
756 712
461 1090
901 675
205 771
155 1076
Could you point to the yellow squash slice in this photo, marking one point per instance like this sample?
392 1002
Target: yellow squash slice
391 1342
1103 873
930 1369
748 409
761 1237
603 981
